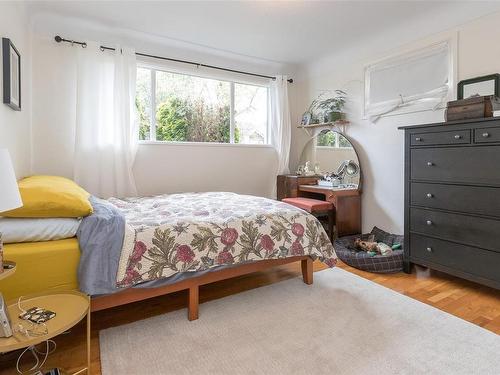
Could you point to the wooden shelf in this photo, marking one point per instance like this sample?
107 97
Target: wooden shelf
336 123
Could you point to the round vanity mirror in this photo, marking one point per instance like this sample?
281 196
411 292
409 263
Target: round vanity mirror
330 154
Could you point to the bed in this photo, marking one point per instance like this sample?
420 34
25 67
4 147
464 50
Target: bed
41 266
137 248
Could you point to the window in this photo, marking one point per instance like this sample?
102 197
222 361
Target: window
332 139
422 79
176 107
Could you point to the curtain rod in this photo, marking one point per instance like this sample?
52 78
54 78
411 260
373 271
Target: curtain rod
59 39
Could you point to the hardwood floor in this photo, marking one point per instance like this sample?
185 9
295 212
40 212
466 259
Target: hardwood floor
469 301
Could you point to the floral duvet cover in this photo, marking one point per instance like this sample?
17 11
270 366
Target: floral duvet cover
168 234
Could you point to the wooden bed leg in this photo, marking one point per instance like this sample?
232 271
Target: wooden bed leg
307 270
194 300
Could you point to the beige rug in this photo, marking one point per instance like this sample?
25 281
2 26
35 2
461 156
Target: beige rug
342 324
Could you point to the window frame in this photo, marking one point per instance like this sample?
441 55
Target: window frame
259 82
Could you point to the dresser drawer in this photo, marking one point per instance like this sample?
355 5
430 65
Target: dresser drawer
486 135
441 138
469 230
467 259
473 165
467 199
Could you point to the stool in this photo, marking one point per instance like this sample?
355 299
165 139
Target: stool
317 208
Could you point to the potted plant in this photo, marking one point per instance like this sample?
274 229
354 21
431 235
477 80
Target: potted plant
309 116
332 107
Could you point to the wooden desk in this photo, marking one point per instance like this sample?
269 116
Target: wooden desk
347 202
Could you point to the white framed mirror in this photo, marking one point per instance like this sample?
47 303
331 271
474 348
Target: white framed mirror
331 155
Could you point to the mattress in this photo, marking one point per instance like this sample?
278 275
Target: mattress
41 267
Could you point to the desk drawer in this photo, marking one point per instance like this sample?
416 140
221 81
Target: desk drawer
467 259
486 135
441 138
467 199
470 230
474 165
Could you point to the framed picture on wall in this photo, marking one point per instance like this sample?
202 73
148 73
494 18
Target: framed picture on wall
11 75
483 86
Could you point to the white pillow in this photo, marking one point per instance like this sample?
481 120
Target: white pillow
35 230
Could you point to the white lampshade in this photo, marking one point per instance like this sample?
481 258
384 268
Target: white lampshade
9 191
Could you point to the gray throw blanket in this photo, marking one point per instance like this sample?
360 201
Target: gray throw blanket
101 239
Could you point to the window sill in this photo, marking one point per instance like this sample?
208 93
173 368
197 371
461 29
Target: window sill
204 144
333 148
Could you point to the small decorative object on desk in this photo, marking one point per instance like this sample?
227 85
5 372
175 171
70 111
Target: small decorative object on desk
317 169
474 107
307 169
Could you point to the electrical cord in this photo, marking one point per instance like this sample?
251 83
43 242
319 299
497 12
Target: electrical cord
32 349
35 352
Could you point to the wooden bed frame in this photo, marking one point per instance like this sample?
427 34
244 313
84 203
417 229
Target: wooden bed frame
193 284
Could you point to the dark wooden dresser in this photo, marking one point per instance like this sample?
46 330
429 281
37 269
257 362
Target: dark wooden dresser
452 198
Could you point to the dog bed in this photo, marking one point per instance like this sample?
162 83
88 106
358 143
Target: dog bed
344 247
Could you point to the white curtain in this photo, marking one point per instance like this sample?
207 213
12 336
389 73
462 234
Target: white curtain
281 125
106 124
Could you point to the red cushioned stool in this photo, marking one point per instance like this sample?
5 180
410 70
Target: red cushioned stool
317 208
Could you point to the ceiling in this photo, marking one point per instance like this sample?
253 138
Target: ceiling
282 31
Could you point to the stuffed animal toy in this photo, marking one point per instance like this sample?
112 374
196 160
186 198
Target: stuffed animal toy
384 249
367 246
372 247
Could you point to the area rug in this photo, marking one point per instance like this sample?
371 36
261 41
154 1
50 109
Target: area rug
342 324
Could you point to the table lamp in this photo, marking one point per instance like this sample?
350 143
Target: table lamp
9 191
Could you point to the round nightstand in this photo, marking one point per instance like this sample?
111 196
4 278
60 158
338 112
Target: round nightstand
8 269
70 308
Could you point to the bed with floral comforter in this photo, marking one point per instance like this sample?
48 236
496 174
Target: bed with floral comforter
176 233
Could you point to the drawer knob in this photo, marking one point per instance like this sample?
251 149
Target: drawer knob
486 135
429 249
429 195
418 139
430 163
458 136
428 222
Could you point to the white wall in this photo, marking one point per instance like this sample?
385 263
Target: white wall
380 145
15 125
159 168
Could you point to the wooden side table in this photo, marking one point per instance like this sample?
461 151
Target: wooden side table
70 308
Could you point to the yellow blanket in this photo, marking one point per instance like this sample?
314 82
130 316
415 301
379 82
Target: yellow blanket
41 267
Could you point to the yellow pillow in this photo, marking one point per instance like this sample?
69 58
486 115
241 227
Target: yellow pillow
51 196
